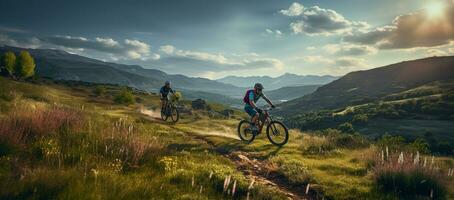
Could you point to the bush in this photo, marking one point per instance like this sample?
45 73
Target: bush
350 141
360 119
99 90
124 97
346 128
419 145
392 142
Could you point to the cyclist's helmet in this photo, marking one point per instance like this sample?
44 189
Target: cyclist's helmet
258 86
167 83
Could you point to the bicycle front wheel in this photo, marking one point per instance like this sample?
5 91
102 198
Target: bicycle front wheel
175 114
244 132
164 115
277 133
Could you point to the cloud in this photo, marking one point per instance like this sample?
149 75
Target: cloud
295 9
311 48
417 29
277 33
126 50
350 49
436 52
203 63
320 21
168 49
338 66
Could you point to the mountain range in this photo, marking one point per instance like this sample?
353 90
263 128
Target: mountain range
61 65
284 80
369 85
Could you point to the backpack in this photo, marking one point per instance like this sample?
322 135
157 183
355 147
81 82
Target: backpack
246 97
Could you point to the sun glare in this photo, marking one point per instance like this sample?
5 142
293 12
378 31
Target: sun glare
435 9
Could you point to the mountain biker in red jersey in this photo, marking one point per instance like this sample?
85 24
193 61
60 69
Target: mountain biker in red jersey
251 97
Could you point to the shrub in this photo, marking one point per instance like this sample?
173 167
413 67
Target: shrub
419 145
392 142
360 119
99 90
350 141
124 97
346 128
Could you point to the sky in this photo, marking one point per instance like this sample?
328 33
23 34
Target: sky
213 38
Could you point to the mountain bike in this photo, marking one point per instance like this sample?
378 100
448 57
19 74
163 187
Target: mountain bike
276 131
170 110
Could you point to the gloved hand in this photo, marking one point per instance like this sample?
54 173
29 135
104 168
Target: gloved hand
273 106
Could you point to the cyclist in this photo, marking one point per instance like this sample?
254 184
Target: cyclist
251 97
164 92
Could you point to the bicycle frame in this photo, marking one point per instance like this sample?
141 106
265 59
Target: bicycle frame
264 118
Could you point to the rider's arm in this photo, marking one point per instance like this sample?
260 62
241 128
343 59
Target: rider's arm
267 100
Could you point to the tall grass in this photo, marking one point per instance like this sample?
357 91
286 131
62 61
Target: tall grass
409 176
25 125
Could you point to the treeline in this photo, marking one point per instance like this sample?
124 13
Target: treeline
17 67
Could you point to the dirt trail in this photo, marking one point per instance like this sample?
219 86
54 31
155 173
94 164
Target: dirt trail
253 169
261 171
225 132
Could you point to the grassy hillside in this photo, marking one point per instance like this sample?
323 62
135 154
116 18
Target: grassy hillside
366 86
72 141
423 112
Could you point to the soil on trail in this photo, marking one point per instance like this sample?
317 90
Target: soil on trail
262 172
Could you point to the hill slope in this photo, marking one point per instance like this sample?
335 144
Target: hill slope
58 64
365 86
281 81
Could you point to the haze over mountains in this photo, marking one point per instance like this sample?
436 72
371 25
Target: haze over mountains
284 80
366 86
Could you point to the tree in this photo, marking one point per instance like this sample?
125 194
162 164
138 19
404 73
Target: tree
8 63
25 65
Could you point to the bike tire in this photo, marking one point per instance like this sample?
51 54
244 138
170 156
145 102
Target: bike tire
244 139
177 117
270 127
164 115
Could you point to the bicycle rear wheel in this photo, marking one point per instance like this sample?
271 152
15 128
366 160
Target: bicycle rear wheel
244 132
277 133
174 114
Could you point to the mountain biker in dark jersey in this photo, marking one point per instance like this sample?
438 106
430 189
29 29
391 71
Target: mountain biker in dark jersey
251 97
164 92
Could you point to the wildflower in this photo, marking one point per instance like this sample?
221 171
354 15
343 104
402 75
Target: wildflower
227 182
211 175
416 160
233 189
251 185
401 158
387 153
